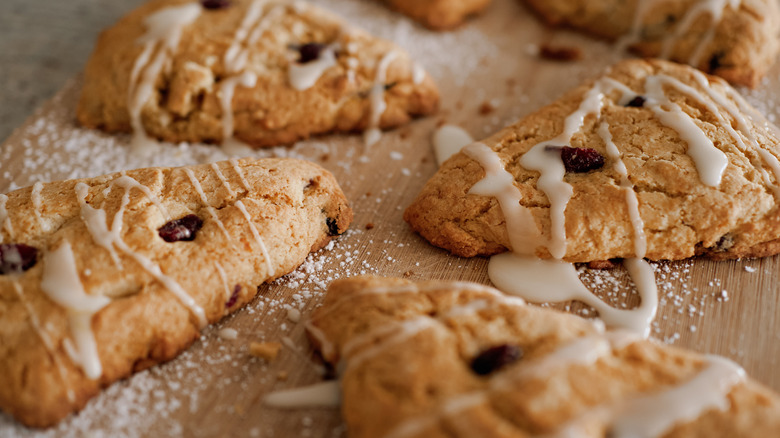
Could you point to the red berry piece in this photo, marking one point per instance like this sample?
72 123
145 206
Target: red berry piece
183 229
495 358
581 160
215 4
17 257
233 297
310 52
637 102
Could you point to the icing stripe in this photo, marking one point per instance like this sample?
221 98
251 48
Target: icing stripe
377 99
222 178
61 283
257 237
205 201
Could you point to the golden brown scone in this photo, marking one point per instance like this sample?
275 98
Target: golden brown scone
738 43
254 226
443 359
737 216
248 48
439 14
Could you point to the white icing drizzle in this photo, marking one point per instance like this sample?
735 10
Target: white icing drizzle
448 140
222 178
557 281
223 277
652 415
36 202
710 161
304 76
5 220
377 99
227 88
399 332
524 235
640 239
128 182
35 322
240 173
61 283
249 32
205 201
713 8
320 395
163 31
257 237
95 220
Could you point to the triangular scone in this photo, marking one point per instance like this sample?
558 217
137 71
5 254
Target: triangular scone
439 14
261 72
737 40
105 276
459 359
689 168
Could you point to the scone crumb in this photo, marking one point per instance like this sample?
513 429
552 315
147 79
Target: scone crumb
602 264
265 350
559 53
486 108
370 226
408 274
228 333
282 376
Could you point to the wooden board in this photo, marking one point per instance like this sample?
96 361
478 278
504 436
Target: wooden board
215 388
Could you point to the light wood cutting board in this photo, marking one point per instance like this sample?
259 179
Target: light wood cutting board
215 388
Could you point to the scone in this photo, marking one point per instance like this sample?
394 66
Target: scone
442 359
439 14
257 72
105 276
653 159
737 40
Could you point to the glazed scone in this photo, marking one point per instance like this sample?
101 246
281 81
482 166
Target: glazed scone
105 276
688 168
443 359
737 40
439 14
257 72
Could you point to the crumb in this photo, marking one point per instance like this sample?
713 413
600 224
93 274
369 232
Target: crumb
368 194
370 226
486 108
560 53
282 376
265 350
228 333
324 157
294 315
424 160
441 122
405 133
750 269
408 274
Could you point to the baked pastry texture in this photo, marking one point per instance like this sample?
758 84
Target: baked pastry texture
260 72
439 14
699 162
436 359
106 276
737 40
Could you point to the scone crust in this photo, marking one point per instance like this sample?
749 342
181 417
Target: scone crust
185 105
682 217
439 14
744 45
390 379
295 206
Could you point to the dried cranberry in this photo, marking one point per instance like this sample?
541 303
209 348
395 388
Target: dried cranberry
495 358
233 297
17 257
181 229
333 226
310 52
215 4
580 160
637 102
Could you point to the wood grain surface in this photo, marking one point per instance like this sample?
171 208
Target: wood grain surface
215 389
